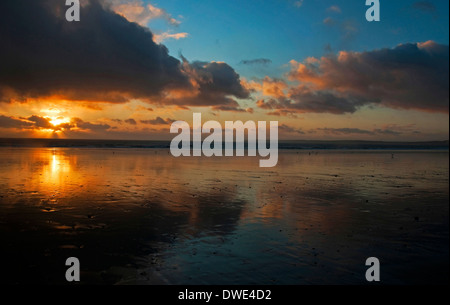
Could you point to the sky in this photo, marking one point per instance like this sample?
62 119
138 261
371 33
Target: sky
129 68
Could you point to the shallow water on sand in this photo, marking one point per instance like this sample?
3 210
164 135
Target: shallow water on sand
141 216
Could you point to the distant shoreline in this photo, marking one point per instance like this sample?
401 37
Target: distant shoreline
283 145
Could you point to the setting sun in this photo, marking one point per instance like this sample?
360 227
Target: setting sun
224 143
56 121
55 116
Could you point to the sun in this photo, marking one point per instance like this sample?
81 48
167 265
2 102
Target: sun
56 121
55 117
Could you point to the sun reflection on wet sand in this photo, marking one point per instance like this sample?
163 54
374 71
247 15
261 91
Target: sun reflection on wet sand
59 166
142 216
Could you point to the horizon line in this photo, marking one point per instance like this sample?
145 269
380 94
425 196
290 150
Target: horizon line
281 140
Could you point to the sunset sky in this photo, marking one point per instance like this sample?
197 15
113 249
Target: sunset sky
130 68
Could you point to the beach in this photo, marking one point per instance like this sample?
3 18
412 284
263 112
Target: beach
141 216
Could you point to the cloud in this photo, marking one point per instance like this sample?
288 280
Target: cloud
142 108
347 29
334 9
289 129
10 122
409 76
158 38
395 129
158 121
79 123
358 131
424 6
40 122
258 61
272 87
345 131
36 122
307 101
329 21
272 104
31 122
231 108
387 132
215 84
130 121
298 3
104 57
137 11
304 99
283 112
119 121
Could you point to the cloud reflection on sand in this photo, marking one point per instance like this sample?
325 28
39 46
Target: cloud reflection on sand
142 216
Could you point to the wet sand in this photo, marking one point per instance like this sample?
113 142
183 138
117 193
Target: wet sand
141 216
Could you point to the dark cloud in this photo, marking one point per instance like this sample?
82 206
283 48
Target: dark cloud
273 103
387 132
104 57
36 122
289 129
345 131
215 83
100 57
358 131
231 108
302 101
218 80
77 122
323 101
158 121
130 121
32 122
278 107
258 61
41 122
409 76
283 112
10 122
395 129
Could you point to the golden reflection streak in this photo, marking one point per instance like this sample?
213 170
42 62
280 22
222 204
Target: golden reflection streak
56 170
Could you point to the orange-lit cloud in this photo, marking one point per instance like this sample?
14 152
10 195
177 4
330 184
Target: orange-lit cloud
409 76
139 12
158 38
273 88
